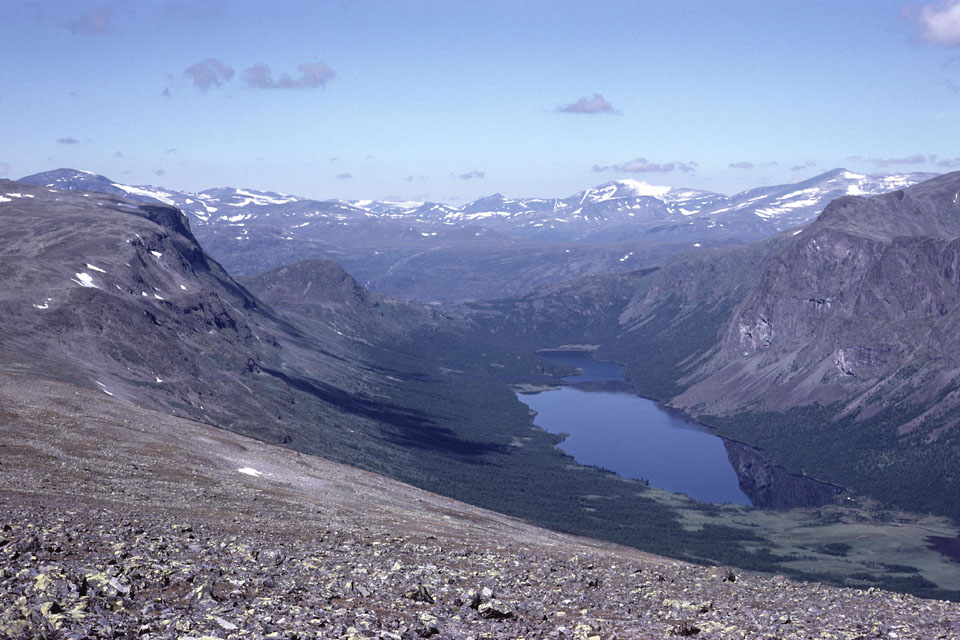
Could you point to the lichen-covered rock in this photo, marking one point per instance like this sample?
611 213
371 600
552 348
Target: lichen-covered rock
495 610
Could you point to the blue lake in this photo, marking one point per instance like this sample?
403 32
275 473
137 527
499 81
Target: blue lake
612 428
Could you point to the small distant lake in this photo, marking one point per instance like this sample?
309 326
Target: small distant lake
611 427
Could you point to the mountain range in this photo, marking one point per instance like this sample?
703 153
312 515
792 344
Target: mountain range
827 346
118 297
832 346
491 247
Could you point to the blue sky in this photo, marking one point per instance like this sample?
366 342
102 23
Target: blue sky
452 100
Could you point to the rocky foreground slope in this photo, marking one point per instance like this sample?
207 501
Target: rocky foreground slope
117 521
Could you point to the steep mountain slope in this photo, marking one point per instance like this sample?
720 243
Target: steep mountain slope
845 352
868 289
322 297
494 246
118 296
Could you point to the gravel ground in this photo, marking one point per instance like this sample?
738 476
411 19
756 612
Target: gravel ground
119 522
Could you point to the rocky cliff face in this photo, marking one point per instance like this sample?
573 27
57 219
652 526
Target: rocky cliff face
860 308
770 487
843 359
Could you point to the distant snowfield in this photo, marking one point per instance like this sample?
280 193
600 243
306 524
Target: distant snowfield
250 471
259 199
162 196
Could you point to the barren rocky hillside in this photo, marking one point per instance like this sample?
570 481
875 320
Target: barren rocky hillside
121 522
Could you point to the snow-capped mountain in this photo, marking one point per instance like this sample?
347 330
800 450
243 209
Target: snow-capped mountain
225 205
632 209
615 211
793 204
507 245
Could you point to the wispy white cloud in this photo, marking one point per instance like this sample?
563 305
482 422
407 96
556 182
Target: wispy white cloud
596 104
312 75
642 165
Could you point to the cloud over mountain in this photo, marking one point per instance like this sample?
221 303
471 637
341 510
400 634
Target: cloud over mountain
596 104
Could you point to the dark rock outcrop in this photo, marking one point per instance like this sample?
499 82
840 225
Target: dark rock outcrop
771 487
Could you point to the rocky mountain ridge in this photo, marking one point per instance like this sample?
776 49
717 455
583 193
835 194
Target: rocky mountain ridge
492 247
867 290
617 210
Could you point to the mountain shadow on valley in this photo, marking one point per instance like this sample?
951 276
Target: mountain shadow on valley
408 427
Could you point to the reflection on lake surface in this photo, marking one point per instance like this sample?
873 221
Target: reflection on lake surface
612 428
